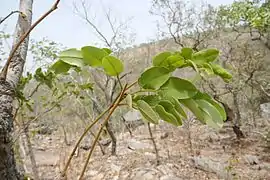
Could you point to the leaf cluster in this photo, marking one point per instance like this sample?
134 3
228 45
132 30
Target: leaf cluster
161 95
170 97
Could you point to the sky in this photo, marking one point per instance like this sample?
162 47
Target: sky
67 28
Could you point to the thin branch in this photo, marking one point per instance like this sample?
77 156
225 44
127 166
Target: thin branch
112 109
12 12
115 84
35 90
86 18
63 173
91 132
125 123
3 74
36 118
119 82
154 144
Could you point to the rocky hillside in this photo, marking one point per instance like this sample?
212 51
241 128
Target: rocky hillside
192 152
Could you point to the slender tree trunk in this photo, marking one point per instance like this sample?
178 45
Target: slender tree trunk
112 136
237 122
8 169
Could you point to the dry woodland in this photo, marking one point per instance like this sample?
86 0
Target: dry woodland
194 103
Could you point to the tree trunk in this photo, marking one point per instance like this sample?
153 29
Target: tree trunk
237 123
112 136
8 169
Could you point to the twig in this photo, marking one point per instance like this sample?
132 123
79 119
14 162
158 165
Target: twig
36 118
12 12
86 18
129 130
3 74
131 85
91 132
35 90
119 82
115 105
63 174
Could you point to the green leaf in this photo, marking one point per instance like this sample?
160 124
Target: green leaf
207 68
187 53
216 104
192 105
72 57
48 79
152 100
71 53
93 56
147 112
159 59
112 65
107 50
179 108
203 56
193 65
166 116
173 62
218 70
168 60
219 107
216 120
154 77
178 88
169 107
60 67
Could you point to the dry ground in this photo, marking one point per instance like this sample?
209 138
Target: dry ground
212 155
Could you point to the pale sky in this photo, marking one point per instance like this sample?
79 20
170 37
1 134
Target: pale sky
65 27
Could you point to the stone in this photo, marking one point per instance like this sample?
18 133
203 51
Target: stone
265 110
136 145
210 165
251 159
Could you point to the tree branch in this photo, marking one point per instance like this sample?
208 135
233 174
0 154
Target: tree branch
3 74
12 12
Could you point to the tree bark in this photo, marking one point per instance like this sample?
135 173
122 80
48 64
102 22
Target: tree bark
8 169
